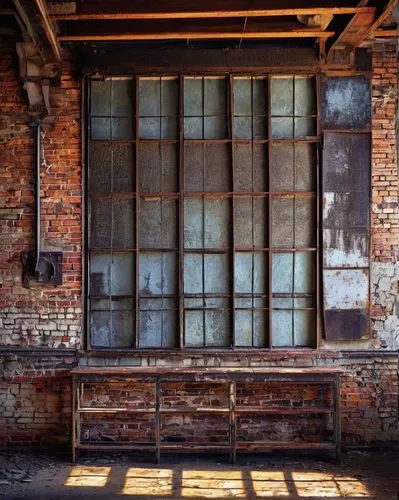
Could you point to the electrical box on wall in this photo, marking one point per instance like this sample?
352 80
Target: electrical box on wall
47 269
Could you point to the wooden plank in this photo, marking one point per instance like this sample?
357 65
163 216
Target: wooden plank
210 13
198 35
386 13
281 445
355 31
33 15
148 371
283 410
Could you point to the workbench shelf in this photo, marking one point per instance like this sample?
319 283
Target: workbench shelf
228 378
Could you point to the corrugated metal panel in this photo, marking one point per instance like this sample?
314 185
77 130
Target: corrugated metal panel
346 218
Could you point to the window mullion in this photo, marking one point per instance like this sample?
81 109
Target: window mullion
181 213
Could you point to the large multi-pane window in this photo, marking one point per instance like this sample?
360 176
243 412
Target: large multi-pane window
203 210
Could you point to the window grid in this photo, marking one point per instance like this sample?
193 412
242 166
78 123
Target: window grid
232 196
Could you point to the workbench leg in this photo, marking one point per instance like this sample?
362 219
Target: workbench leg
232 422
158 422
337 418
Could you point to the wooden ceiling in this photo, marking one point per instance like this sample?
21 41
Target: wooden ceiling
333 24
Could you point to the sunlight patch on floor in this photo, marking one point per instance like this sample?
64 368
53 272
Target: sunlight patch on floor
212 484
88 476
148 481
269 483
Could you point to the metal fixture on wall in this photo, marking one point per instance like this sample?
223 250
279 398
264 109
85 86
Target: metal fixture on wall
43 267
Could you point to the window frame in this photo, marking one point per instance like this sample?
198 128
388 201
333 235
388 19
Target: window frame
180 141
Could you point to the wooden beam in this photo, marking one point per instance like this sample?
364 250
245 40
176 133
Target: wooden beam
386 33
197 36
355 31
387 12
205 14
33 15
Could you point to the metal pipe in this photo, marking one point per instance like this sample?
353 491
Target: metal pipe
36 125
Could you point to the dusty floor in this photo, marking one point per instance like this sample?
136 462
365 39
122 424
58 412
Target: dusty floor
42 476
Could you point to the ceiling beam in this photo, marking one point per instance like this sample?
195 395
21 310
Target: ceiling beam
39 27
205 14
385 14
355 31
198 36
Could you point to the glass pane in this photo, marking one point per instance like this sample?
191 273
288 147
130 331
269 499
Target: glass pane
305 223
243 96
304 328
123 168
217 273
100 168
217 223
215 96
122 274
100 328
100 97
242 127
193 97
122 102
158 223
193 273
158 168
282 128
100 223
215 127
305 167
305 272
250 272
282 328
150 128
251 328
193 128
169 97
283 223
305 96
111 275
218 168
122 329
282 272
100 275
193 223
194 328
100 128
282 95
243 328
158 274
158 328
123 224
305 127
217 328
282 167
169 129
250 233
150 97
121 129
250 164
259 95
194 167
260 127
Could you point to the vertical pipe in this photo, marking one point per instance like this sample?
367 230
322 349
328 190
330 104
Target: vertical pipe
37 125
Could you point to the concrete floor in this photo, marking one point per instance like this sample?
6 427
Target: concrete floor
362 474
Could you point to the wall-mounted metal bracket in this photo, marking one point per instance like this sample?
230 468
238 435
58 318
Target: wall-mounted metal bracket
47 269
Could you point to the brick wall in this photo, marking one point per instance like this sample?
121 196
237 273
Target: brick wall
385 212
35 403
39 316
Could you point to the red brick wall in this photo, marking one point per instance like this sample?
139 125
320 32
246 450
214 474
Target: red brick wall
39 316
